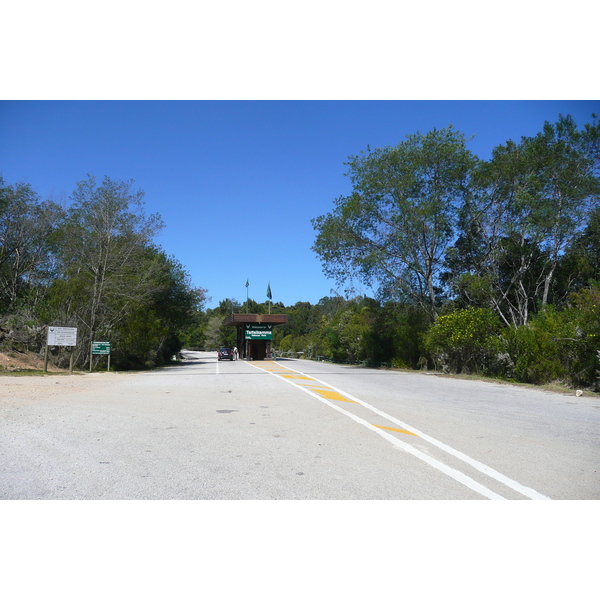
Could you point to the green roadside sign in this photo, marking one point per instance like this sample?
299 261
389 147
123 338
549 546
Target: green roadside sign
100 347
255 331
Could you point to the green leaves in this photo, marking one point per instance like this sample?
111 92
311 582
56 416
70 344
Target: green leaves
464 340
27 227
540 194
491 245
395 226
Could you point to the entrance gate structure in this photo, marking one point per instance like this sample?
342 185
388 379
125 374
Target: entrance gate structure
255 334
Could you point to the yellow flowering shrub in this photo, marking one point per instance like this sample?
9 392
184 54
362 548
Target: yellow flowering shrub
464 340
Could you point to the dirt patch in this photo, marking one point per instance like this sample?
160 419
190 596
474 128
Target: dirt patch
14 361
22 380
32 389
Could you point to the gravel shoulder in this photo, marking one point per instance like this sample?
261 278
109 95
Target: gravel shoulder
28 389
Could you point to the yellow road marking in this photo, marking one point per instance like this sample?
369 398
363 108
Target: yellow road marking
314 385
331 395
322 390
395 429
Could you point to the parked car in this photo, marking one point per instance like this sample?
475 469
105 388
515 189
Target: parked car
225 353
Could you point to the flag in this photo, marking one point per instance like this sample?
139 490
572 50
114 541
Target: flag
269 295
247 283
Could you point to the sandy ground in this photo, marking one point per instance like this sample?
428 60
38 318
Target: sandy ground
17 386
14 361
29 389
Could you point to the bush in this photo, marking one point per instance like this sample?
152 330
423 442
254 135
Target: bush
558 345
464 341
583 350
534 354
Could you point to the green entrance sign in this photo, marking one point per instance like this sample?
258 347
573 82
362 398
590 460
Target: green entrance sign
100 347
255 331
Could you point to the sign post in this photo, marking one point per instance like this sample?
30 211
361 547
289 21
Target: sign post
102 348
60 336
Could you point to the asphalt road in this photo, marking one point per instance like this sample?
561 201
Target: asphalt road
295 429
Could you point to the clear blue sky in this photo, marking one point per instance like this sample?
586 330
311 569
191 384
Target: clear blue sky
238 182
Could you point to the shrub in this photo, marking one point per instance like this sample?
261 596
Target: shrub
534 354
558 345
584 347
464 341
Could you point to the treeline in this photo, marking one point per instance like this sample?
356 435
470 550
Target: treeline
481 266
559 343
93 266
489 267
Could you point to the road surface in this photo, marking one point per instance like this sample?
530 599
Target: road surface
292 429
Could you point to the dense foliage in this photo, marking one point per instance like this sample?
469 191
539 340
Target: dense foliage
500 257
92 266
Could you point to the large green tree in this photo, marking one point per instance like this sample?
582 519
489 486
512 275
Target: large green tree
565 169
393 229
529 203
155 323
102 248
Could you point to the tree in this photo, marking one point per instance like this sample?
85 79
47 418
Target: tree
216 334
529 203
580 266
95 267
300 320
212 334
26 228
155 325
563 177
394 227
351 329
102 245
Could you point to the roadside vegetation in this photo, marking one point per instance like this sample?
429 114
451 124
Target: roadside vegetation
482 267
93 266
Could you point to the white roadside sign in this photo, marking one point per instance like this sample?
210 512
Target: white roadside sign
62 336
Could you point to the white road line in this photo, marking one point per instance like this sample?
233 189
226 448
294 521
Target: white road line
436 464
482 468
479 466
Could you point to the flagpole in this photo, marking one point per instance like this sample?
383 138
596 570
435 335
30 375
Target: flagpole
269 296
